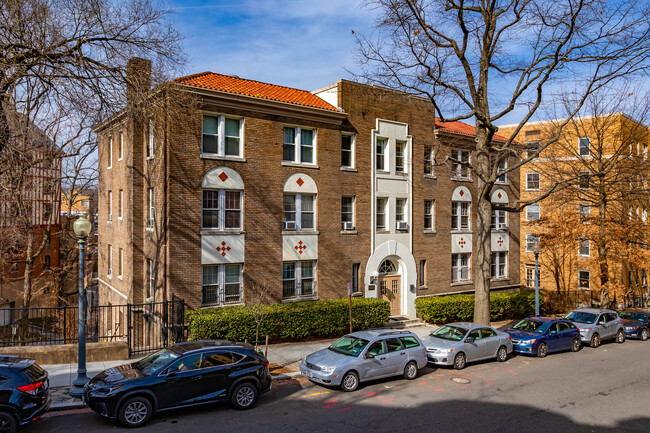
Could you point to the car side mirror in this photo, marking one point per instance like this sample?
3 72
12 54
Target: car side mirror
469 339
553 331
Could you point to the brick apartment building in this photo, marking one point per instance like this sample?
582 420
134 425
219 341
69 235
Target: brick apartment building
302 193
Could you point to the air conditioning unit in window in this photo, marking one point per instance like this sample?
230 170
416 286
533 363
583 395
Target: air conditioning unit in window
348 225
288 225
150 222
110 217
402 225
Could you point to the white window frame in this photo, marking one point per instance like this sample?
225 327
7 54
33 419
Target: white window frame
120 263
528 181
644 151
110 206
457 267
499 265
429 160
352 213
120 155
499 219
401 155
297 145
462 171
582 173
532 147
584 244
381 210
581 207
457 208
152 209
120 209
299 211
588 287
110 262
402 203
351 151
110 152
221 136
539 212
221 285
530 276
298 280
530 241
151 139
431 215
381 156
502 166
584 143
221 203
152 279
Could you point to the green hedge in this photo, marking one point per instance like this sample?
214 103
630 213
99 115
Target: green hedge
288 322
460 308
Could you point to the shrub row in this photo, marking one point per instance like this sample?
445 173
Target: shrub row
287 322
460 308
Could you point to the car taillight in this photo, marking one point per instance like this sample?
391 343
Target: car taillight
265 364
32 388
510 337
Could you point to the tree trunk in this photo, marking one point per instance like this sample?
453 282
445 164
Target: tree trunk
483 234
602 256
27 284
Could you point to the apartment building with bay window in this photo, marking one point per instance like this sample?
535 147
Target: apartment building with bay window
297 194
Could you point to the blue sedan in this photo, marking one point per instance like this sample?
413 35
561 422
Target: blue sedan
542 335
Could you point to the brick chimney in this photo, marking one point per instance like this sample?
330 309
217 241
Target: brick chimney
138 79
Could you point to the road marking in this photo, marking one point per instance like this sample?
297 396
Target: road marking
460 386
439 389
371 393
345 408
331 401
390 399
422 383
316 393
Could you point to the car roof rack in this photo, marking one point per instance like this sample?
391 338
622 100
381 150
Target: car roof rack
396 332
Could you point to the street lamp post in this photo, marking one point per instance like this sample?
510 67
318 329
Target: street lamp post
536 250
81 228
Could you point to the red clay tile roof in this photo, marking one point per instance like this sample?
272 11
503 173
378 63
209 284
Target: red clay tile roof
461 128
255 89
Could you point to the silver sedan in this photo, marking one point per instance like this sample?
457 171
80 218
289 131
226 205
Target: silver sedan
459 343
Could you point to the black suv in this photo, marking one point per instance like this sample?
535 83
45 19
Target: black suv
181 375
24 394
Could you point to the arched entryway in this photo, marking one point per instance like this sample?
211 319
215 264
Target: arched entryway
390 285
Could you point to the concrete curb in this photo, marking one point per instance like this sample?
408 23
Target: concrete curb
286 376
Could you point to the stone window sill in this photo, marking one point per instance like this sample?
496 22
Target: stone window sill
299 165
222 232
430 176
349 169
429 232
300 232
222 157
349 232
462 283
306 298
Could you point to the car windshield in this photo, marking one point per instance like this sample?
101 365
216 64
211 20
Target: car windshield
530 326
156 361
452 333
349 345
634 316
582 317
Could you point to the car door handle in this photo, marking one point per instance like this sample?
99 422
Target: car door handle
402 353
382 358
199 377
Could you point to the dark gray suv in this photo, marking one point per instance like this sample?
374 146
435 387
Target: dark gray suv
597 325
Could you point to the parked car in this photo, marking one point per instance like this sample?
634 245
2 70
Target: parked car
24 392
459 343
636 323
365 355
542 335
181 375
597 325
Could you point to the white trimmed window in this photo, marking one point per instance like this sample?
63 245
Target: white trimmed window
501 168
221 136
347 150
583 279
152 210
460 215
299 212
380 155
110 261
221 284
584 247
221 209
499 265
530 241
584 210
584 146
110 205
530 276
532 181
347 213
120 152
381 213
644 151
120 205
532 148
460 267
429 207
299 145
298 279
429 160
151 139
400 213
532 212
499 220
152 278
584 179
120 263
461 168
110 152
400 151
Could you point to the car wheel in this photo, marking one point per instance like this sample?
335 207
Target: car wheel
410 371
244 396
575 345
620 336
8 423
502 354
644 334
595 341
460 361
135 412
542 350
350 381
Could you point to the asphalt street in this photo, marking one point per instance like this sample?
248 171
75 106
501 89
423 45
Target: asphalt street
595 390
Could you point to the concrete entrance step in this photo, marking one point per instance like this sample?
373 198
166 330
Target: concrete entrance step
403 322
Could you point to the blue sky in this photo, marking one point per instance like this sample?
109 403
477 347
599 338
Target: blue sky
306 44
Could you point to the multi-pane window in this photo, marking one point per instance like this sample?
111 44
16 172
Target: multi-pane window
532 212
298 145
222 209
221 136
347 150
381 213
461 166
120 262
532 181
584 210
110 152
151 139
152 213
584 247
355 277
110 205
120 151
299 212
531 240
460 215
460 267
584 146
532 149
120 205
381 154
347 213
501 168
584 179
499 265
298 279
499 219
221 284
429 161
428 214
583 280
530 276
400 149
152 278
422 274
400 210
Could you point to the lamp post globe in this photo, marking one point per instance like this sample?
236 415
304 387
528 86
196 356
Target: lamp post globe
82 228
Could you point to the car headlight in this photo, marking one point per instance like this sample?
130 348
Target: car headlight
527 342
329 369
105 389
304 359
584 329
440 351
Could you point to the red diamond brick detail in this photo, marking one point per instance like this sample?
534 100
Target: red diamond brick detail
500 241
461 192
499 195
300 247
223 248
300 181
462 242
223 176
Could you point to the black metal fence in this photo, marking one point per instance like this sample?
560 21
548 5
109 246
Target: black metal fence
586 298
145 327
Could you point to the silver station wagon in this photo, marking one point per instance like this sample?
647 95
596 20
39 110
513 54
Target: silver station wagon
366 355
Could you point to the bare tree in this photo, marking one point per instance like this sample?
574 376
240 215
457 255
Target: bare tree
485 60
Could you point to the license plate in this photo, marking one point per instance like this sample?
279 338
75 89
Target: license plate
309 374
